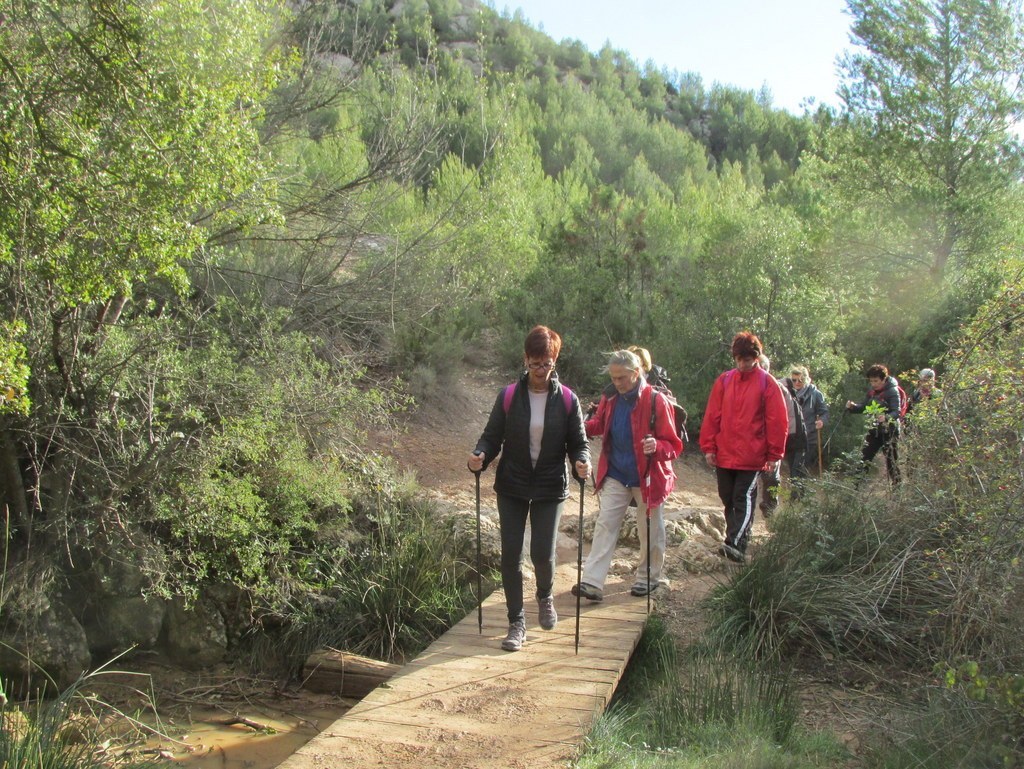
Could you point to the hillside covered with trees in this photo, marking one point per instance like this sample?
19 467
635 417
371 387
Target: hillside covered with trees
236 236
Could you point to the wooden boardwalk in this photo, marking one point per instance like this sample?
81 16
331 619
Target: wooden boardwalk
466 703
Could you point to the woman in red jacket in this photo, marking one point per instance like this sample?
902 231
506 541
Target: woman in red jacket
635 465
743 433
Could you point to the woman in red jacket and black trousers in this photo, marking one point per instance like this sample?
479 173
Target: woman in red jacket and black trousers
743 434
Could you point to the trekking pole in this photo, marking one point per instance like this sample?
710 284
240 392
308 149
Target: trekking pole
648 549
648 482
479 568
579 564
820 468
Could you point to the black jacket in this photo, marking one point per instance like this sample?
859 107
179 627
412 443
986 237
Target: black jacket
889 398
509 434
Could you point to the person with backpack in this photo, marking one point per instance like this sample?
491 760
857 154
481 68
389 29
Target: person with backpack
884 431
796 442
814 410
534 424
743 434
658 378
638 445
925 390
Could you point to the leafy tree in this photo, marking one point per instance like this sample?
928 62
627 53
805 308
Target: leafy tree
128 129
931 97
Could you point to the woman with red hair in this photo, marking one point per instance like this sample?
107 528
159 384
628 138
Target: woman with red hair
743 433
534 425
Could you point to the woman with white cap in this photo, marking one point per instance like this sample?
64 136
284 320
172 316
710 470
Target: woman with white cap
925 390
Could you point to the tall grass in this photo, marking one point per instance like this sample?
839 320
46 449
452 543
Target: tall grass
706 708
948 731
392 593
73 731
842 574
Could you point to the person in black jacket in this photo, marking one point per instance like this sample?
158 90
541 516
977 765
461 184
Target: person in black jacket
885 431
534 427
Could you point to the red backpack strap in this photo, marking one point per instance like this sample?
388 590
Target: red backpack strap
510 391
567 399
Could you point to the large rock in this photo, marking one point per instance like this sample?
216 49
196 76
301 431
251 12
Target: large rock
194 637
42 649
109 594
462 524
115 624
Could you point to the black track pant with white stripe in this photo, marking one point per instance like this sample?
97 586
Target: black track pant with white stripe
738 491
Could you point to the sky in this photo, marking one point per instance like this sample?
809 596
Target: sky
789 45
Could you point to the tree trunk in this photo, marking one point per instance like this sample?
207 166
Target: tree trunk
330 671
11 482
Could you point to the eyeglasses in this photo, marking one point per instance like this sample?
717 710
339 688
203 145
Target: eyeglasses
797 379
540 366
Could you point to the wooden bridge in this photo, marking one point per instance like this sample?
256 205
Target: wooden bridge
464 702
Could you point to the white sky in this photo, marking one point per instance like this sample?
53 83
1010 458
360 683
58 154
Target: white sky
789 45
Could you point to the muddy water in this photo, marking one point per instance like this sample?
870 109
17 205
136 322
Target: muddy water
201 740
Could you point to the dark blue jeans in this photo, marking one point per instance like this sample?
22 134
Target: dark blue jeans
543 516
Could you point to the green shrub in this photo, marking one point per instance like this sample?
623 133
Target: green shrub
705 708
390 594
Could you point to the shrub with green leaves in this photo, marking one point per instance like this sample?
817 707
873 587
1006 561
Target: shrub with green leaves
389 594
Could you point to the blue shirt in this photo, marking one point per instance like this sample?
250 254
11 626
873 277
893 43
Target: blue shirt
621 457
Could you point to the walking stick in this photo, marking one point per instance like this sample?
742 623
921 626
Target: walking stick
648 547
579 564
479 569
819 454
647 479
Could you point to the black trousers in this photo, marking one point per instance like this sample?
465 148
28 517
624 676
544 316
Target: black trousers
543 516
885 439
738 491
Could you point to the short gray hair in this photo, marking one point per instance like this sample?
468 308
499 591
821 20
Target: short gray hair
624 358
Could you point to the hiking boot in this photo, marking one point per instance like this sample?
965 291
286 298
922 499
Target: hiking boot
642 588
732 553
588 591
546 614
516 636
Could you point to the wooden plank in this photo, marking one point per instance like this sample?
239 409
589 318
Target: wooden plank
424 686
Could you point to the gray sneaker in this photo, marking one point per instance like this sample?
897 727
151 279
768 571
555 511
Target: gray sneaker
516 635
588 591
546 614
641 588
